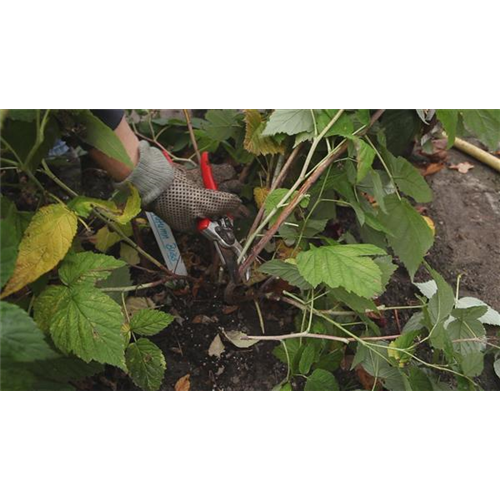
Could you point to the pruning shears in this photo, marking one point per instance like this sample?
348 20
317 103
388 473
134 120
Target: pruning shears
220 231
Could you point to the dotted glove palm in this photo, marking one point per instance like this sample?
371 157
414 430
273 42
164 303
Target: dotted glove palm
176 194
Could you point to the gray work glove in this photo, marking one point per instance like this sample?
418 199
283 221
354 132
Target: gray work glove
176 194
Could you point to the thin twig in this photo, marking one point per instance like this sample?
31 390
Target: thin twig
133 288
191 133
275 185
317 336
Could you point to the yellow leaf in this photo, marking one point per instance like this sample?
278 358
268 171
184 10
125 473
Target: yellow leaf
132 207
129 255
3 115
254 141
45 242
105 239
260 195
431 224
285 252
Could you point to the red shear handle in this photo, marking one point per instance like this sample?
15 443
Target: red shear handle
206 173
208 182
166 155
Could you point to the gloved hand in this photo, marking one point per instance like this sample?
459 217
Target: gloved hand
176 194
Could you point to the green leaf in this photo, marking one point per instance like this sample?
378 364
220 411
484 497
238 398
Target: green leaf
365 156
286 271
290 122
358 304
25 115
119 278
331 361
449 120
490 317
484 124
473 364
101 137
65 369
419 381
407 178
286 392
220 123
87 267
387 267
343 266
88 324
289 350
400 127
307 358
46 305
8 251
146 364
401 348
343 126
16 378
83 205
466 325
321 380
273 199
411 236
442 302
149 321
20 338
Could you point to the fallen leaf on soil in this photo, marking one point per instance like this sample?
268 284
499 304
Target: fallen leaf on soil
135 304
463 168
201 319
229 309
178 318
238 338
183 384
432 168
216 347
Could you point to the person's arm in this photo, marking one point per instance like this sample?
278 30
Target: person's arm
117 170
164 189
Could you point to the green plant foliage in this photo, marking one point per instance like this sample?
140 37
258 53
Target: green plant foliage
21 339
88 324
146 364
333 253
149 322
345 266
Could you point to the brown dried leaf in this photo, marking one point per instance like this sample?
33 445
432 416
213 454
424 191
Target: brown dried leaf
230 309
183 384
463 168
201 319
216 347
432 168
